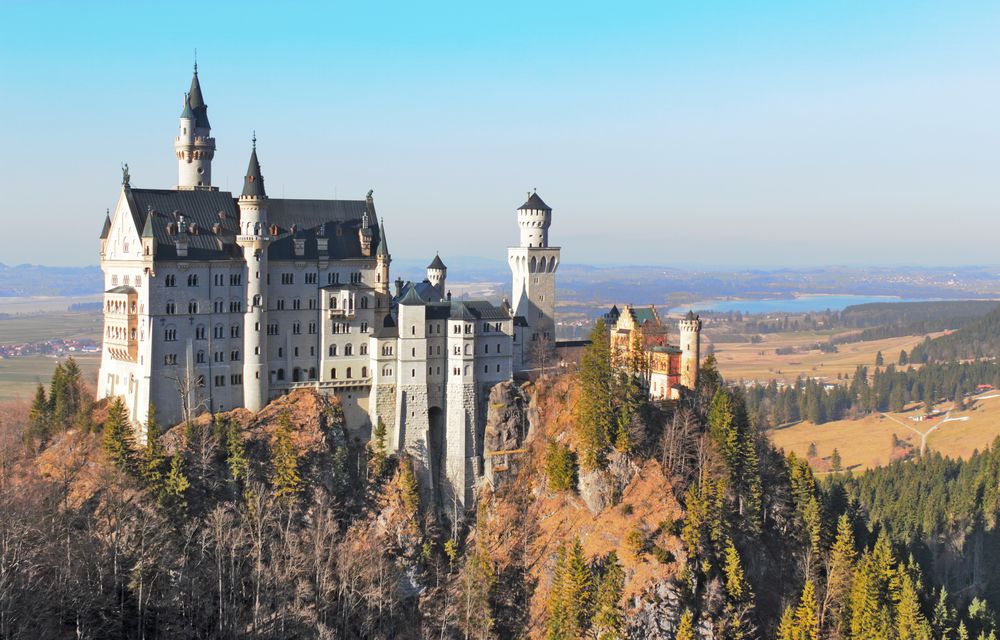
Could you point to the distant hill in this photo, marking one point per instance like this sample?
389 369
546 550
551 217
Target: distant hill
978 339
37 280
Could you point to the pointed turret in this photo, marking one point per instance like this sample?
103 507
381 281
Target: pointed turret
107 225
382 251
197 101
194 145
253 184
147 228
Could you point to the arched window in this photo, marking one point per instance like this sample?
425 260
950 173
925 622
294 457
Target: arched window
333 350
312 373
363 350
333 302
348 350
333 373
348 373
364 303
364 372
281 374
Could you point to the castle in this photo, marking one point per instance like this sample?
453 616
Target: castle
639 332
214 301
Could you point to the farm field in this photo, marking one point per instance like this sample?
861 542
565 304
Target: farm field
40 327
745 361
20 376
867 443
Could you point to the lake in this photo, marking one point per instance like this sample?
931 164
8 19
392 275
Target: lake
799 304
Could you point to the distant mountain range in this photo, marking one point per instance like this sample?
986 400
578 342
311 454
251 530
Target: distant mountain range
38 280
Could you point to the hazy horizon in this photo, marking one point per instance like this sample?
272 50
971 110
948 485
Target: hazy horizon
687 137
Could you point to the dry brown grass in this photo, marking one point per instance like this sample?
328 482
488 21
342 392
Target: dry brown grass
867 442
745 361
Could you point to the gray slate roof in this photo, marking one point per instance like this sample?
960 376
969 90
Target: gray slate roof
206 208
253 183
437 263
534 202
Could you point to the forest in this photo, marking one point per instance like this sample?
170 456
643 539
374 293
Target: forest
281 524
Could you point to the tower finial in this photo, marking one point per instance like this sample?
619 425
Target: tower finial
196 61
253 139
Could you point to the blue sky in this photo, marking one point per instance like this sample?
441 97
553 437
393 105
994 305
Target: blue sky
687 134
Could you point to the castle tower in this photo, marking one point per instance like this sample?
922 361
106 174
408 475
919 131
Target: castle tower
194 145
382 261
690 344
533 264
436 275
253 239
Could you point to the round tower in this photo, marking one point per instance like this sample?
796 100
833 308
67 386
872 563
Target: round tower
194 144
253 239
437 273
690 344
534 218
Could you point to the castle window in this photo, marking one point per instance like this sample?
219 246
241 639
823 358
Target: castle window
413 330
310 278
364 302
281 374
217 331
364 372
413 352
193 280
235 306
219 356
170 308
295 351
280 304
364 327
333 278
218 279
387 371
217 306
138 281
312 327
256 351
170 359
234 331
296 304
114 281
363 349
498 368
387 350
234 356
486 368
236 379
256 300
220 381
348 350
312 373
235 279
333 302
486 348
169 281
333 373
296 328
413 373
312 303
333 350
200 359
170 335
430 370
348 373
288 278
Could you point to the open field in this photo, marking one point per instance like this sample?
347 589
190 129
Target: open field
745 361
20 376
48 326
867 442
43 304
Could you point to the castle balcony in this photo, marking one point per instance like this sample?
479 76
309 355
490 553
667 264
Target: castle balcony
321 385
342 314
121 323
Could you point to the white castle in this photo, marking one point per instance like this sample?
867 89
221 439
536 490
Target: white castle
214 302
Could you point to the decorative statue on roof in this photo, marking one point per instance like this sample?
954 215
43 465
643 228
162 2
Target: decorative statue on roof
126 178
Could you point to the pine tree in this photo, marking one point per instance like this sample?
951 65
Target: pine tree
377 447
410 488
786 627
806 618
236 455
595 416
910 621
840 567
153 459
118 440
609 617
736 584
879 360
685 628
557 625
943 617
835 461
39 419
176 486
578 596
285 479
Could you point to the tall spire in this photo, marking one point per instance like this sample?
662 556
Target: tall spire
187 113
383 245
197 101
253 185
